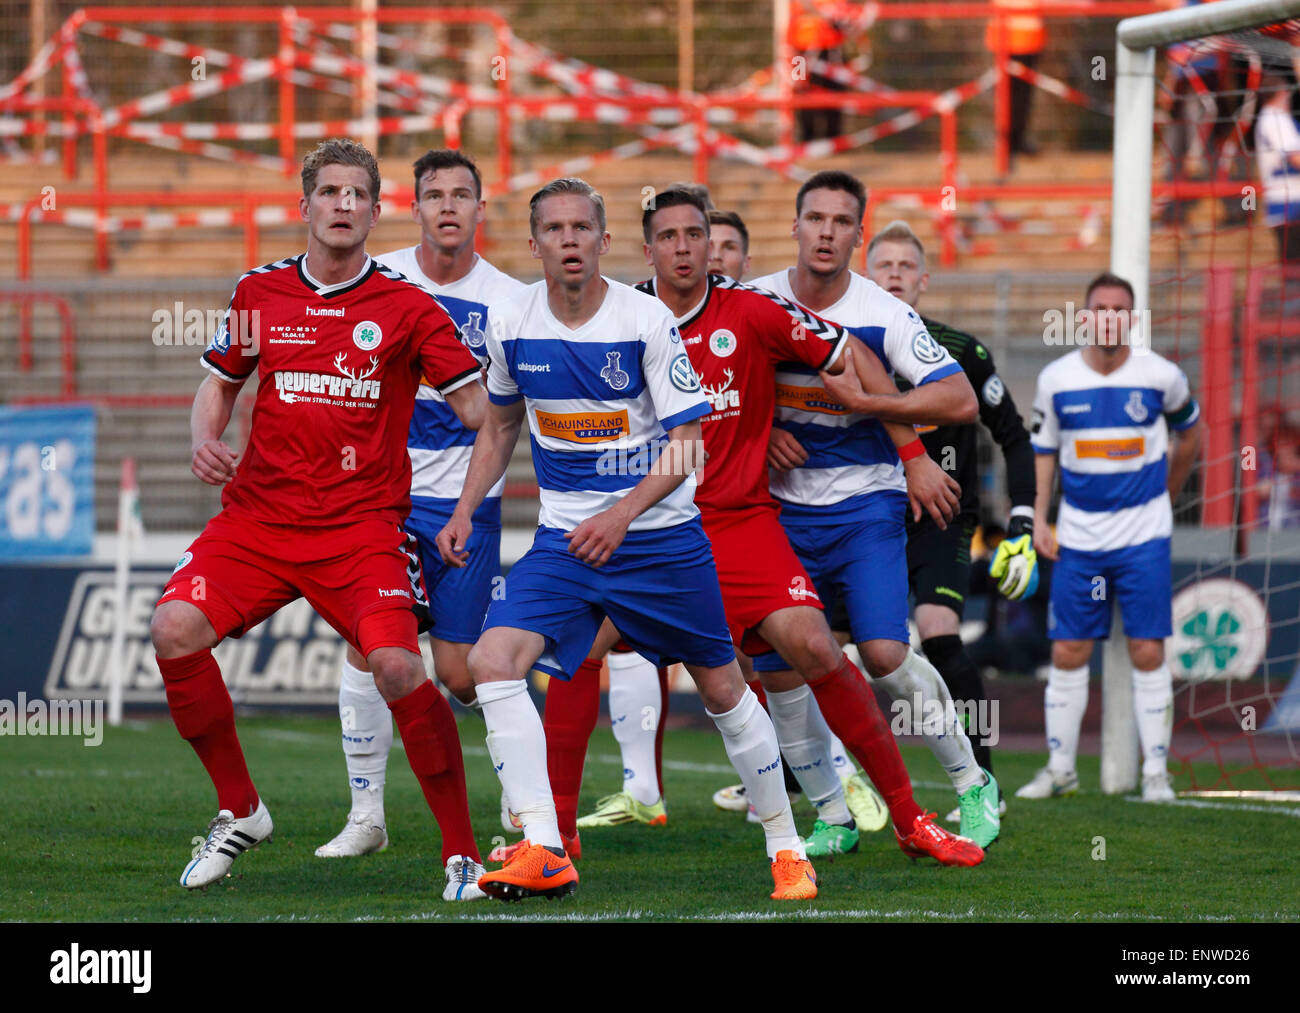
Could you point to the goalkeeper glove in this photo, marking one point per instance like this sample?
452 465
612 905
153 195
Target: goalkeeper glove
1015 566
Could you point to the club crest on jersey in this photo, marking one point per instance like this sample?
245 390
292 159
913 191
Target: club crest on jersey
925 348
474 335
1135 409
367 335
612 375
184 561
722 342
683 376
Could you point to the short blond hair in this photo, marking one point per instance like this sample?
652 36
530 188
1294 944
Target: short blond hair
339 151
897 231
558 187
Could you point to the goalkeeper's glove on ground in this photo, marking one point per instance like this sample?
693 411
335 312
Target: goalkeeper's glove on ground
1015 565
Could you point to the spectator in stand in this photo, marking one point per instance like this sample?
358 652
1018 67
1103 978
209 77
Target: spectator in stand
1279 476
1023 35
1277 150
817 35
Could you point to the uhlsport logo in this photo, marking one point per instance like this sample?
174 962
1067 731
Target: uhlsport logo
722 342
612 375
473 334
367 335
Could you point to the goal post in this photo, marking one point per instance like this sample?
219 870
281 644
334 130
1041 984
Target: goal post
1137 42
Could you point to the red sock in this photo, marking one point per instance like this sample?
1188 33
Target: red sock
569 720
659 733
850 708
428 730
205 717
757 687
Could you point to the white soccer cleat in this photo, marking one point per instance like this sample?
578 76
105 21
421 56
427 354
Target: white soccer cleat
955 815
510 823
732 798
869 810
359 836
1156 788
227 839
1046 784
462 879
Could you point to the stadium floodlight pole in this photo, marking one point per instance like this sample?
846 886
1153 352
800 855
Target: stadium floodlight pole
1130 258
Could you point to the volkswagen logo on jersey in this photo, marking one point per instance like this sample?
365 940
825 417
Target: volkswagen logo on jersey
1135 409
993 390
611 374
367 335
683 376
474 334
722 342
925 348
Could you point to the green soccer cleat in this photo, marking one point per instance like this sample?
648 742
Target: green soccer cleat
615 810
868 808
830 839
980 820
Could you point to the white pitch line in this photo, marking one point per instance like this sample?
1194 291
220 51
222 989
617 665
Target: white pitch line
1196 803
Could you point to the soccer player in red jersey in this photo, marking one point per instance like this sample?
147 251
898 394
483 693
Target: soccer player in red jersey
735 337
314 507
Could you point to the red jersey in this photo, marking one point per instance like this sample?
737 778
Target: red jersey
735 340
338 367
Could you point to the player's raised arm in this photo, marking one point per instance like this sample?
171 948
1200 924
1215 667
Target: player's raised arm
946 400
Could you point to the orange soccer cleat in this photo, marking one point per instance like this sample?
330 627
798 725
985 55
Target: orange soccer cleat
928 840
504 852
794 877
532 871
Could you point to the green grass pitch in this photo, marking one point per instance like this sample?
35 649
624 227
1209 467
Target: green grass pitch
101 834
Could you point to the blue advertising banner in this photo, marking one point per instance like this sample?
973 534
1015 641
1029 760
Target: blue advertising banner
47 495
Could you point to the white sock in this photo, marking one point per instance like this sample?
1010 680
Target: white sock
805 742
1064 702
750 740
367 740
918 684
844 765
517 745
634 711
1153 700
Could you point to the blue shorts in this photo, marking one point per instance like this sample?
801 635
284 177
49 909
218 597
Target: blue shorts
458 597
861 562
660 589
1084 584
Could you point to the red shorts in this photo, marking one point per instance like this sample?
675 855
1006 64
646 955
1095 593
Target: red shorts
363 579
758 571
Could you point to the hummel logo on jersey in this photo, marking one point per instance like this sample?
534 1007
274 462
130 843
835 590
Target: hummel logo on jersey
325 311
393 592
799 589
611 374
1135 409
475 336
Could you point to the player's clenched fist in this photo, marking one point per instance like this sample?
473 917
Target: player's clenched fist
595 539
452 539
784 452
214 462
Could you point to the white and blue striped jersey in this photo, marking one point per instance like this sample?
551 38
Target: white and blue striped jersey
1112 435
438 443
600 399
850 456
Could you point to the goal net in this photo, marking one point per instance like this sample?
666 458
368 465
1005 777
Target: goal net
1201 233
